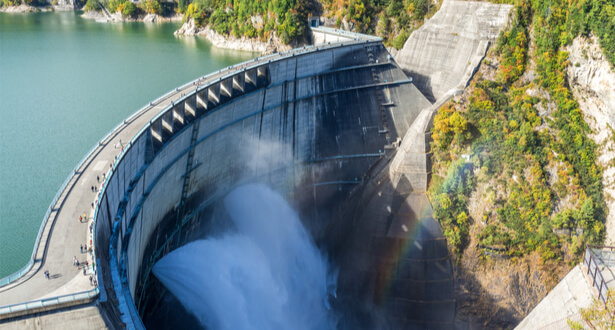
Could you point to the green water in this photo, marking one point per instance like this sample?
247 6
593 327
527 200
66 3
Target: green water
64 83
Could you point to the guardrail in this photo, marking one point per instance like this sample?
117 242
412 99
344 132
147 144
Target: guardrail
351 35
46 304
592 260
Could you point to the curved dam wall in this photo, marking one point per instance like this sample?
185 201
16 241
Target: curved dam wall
309 123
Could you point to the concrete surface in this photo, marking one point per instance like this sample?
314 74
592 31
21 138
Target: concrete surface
563 302
442 54
82 317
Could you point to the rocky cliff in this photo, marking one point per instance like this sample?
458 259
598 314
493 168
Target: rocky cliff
231 42
592 81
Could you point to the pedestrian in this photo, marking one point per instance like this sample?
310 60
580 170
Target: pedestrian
80 219
90 279
75 262
46 274
92 204
90 228
83 271
97 178
92 188
81 248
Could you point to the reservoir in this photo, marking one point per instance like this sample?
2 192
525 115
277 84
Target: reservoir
64 83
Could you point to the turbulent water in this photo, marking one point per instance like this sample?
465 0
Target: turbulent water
268 274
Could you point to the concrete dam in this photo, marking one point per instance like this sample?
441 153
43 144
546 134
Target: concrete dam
311 125
337 128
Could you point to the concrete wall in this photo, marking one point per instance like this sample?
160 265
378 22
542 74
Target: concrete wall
442 54
304 128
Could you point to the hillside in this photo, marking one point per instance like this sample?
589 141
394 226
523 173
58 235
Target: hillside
517 184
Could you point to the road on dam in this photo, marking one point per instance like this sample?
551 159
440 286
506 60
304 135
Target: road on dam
64 233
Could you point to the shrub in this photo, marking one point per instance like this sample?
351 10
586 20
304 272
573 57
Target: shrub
400 40
92 5
129 10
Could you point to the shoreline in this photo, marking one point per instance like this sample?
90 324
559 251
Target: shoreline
273 45
187 29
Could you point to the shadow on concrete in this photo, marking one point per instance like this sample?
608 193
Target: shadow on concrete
476 308
423 83
392 256
55 276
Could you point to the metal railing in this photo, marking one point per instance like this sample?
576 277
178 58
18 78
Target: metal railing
48 303
596 256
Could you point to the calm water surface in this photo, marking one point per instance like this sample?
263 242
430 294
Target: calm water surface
64 83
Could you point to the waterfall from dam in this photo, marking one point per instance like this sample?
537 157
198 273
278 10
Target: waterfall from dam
268 274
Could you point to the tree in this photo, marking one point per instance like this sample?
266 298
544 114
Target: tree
129 9
92 5
152 6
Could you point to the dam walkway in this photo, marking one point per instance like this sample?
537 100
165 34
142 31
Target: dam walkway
62 234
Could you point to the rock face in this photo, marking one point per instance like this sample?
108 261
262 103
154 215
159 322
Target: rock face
442 55
65 5
97 15
20 9
243 43
592 81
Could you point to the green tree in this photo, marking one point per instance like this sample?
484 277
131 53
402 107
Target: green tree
92 5
129 10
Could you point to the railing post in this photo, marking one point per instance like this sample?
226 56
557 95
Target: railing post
595 272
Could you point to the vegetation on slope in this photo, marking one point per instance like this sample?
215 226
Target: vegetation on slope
540 166
251 18
393 20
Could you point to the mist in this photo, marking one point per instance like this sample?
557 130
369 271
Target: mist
268 274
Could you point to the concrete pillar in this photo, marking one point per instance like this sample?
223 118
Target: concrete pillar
226 87
250 77
262 72
214 94
201 102
178 115
190 106
239 82
156 130
167 122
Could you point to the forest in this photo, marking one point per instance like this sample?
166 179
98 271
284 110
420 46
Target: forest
540 171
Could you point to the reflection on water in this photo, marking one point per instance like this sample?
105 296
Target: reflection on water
64 83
